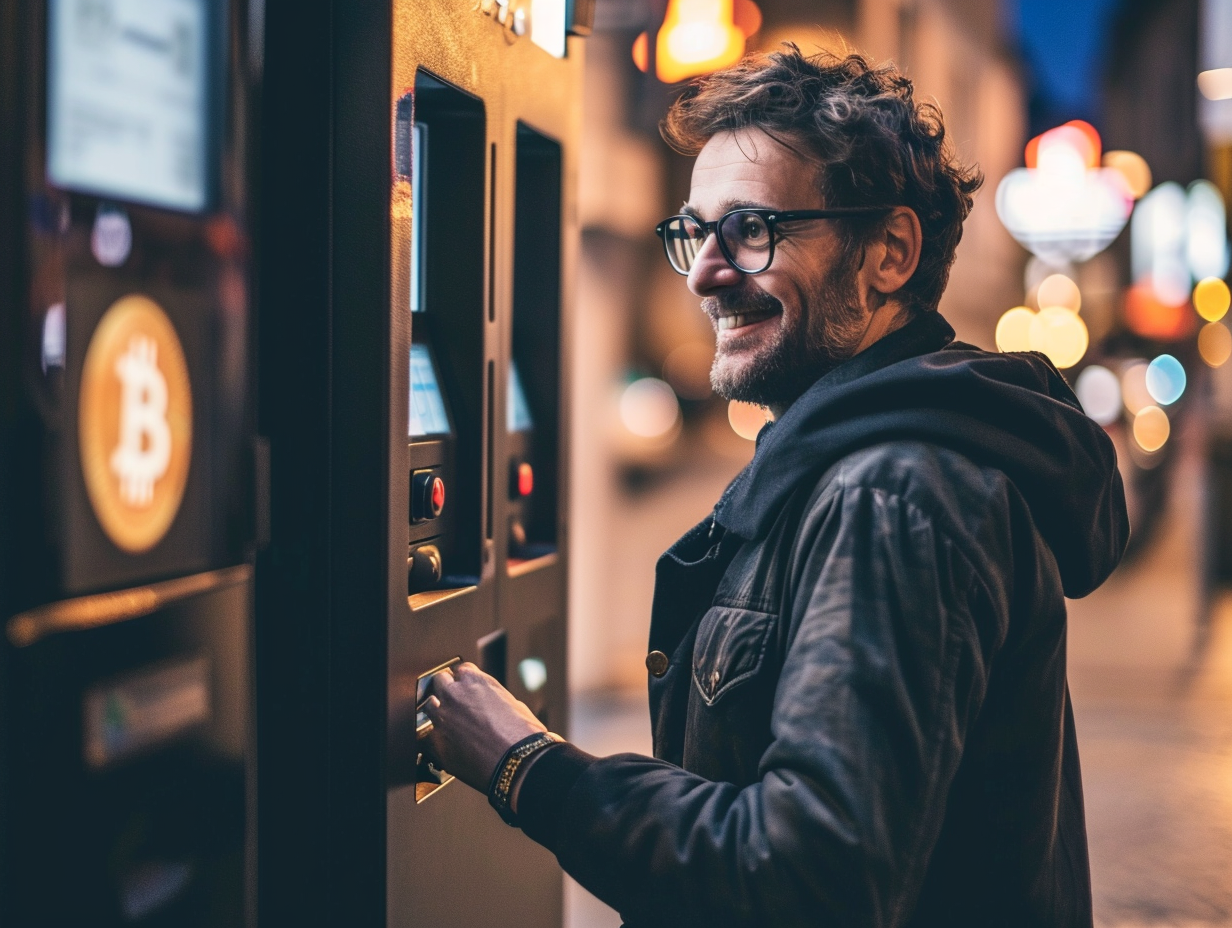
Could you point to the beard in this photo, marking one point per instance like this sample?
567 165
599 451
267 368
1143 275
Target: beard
803 348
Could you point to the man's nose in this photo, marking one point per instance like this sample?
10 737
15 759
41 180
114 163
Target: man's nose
710 271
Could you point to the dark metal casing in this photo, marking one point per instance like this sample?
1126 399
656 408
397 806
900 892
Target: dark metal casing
347 836
126 760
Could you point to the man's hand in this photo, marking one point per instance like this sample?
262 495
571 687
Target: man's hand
475 721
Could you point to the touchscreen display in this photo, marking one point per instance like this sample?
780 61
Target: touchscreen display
128 100
428 415
518 414
419 206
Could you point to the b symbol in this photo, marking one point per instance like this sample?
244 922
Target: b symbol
135 423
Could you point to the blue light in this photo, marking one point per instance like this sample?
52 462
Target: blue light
1165 379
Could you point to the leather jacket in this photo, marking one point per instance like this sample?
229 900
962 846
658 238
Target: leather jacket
864 718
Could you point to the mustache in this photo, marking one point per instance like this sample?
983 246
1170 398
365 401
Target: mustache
740 303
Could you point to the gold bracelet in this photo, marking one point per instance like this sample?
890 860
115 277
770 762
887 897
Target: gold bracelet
502 778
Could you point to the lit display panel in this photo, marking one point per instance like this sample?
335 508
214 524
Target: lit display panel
128 100
428 416
419 205
518 418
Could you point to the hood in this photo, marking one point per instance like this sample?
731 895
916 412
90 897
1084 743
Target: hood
1012 411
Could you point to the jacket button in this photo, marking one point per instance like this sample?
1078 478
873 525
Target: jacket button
656 663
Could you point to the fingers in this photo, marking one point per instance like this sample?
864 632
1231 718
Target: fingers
443 678
464 674
468 670
440 683
427 720
428 740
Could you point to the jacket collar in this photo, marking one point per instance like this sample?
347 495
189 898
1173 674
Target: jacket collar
749 504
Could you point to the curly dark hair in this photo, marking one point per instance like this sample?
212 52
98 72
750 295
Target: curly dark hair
875 145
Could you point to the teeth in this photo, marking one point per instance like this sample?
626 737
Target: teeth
736 322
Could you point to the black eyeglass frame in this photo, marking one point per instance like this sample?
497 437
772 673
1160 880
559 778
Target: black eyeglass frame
772 217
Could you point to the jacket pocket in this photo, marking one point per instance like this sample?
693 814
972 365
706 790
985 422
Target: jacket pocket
730 648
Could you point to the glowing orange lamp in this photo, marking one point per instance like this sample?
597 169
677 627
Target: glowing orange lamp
697 37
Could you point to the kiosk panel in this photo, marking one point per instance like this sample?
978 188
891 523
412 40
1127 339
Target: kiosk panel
443 148
534 373
127 489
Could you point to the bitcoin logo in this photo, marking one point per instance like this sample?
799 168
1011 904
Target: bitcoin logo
135 423
144 451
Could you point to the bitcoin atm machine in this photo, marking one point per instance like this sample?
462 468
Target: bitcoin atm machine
125 457
418 245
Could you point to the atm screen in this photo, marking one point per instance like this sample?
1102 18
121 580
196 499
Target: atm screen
128 100
428 416
518 414
419 205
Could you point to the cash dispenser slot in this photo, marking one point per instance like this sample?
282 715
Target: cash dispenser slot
441 146
533 397
428 777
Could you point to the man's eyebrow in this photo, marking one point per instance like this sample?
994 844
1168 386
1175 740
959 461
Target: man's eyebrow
725 206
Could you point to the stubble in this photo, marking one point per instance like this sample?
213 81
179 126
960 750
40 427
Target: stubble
804 348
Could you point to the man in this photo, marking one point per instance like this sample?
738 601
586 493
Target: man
857 664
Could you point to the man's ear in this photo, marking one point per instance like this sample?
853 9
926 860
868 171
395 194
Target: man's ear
894 253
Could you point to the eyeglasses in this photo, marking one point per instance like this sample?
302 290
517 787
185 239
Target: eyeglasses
746 236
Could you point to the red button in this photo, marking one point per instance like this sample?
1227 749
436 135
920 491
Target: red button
526 479
438 496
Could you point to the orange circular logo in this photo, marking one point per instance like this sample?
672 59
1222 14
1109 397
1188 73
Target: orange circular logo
135 423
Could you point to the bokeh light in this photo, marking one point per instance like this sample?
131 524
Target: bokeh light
1076 136
1216 84
745 418
1013 329
1165 379
1099 392
1215 344
641 52
1060 334
747 16
1063 206
1151 428
1059 290
1151 317
687 369
1133 168
1157 244
649 408
1211 298
1133 388
1206 231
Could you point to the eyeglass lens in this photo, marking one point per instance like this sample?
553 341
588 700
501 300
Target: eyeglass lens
747 240
684 239
744 238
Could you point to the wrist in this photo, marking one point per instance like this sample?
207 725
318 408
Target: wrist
520 777
510 770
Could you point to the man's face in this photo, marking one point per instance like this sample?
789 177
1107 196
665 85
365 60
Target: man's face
777 331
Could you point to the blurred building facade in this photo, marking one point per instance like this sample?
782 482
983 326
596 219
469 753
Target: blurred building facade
637 319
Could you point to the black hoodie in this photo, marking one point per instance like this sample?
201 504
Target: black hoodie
859 701
1013 412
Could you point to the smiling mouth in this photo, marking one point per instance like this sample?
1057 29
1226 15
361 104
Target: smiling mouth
741 320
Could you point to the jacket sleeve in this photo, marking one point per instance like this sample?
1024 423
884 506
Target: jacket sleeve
887 649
